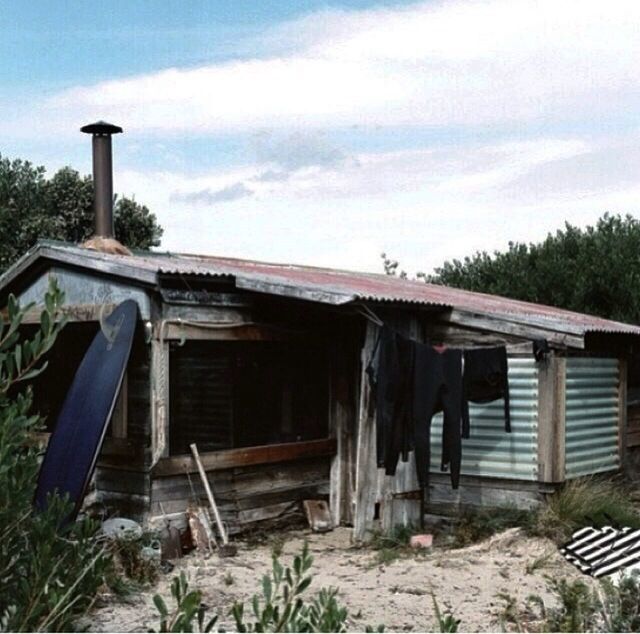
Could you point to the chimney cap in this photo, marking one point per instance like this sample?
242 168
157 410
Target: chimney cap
101 127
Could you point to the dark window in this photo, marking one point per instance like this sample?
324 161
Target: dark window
243 394
50 388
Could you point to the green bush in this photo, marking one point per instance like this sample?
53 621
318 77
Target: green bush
131 552
578 607
48 575
620 605
600 606
281 608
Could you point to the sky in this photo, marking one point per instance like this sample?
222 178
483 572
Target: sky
327 133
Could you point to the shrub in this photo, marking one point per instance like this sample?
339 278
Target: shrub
578 607
591 501
48 574
282 608
602 607
621 604
133 553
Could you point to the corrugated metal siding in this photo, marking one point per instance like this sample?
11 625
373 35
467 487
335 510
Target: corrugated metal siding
492 452
591 427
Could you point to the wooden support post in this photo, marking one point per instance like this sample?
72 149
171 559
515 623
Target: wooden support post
340 424
622 410
552 375
366 466
159 399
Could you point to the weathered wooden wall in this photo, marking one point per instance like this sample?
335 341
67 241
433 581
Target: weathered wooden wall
122 479
245 494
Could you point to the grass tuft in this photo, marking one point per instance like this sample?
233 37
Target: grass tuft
591 501
393 545
475 525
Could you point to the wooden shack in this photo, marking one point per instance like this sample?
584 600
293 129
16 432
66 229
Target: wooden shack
262 365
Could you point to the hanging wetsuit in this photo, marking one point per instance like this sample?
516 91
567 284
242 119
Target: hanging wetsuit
437 385
485 380
390 377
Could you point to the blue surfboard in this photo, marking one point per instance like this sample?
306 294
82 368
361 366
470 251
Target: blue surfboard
77 437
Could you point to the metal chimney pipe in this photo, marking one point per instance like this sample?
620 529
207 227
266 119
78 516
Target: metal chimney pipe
102 176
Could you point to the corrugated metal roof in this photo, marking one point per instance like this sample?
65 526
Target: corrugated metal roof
333 286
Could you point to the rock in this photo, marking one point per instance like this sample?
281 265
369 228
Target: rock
121 527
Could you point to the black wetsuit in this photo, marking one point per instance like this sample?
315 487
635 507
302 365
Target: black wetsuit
437 387
485 380
390 374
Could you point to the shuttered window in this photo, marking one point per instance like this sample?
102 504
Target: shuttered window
242 394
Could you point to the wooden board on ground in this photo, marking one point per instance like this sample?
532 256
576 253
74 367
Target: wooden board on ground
200 527
318 515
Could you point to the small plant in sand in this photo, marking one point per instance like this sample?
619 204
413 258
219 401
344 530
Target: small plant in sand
189 613
394 544
282 608
446 622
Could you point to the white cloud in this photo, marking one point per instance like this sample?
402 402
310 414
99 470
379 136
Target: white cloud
442 63
420 206
550 79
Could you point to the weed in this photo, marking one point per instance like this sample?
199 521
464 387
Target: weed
621 603
189 608
135 555
591 501
539 562
474 525
446 622
578 607
393 545
228 579
277 543
510 612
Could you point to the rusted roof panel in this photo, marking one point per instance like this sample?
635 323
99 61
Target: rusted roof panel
333 286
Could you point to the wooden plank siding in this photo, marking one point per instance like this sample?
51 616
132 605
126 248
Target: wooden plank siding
246 494
246 456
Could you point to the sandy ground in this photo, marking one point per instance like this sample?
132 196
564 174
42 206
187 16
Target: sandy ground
466 581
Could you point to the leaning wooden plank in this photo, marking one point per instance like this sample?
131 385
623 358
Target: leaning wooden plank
242 457
207 488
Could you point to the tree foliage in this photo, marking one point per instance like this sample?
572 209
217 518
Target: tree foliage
33 207
49 573
595 270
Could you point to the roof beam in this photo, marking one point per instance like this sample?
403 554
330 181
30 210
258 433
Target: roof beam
509 326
